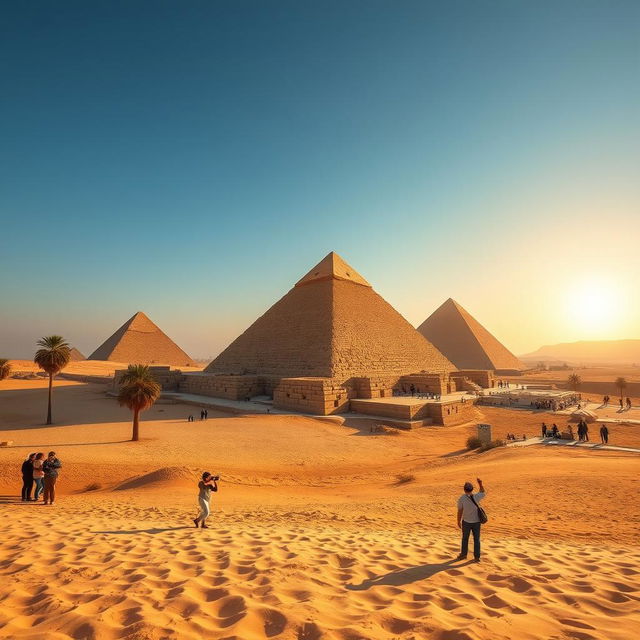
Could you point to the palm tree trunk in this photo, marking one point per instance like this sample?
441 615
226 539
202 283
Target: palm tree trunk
135 436
49 409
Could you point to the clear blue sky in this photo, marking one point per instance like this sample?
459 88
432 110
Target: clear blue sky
194 159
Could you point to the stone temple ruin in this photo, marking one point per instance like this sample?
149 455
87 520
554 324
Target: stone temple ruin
333 345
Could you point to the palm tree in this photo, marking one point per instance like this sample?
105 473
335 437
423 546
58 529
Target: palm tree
53 357
5 368
574 381
621 383
138 391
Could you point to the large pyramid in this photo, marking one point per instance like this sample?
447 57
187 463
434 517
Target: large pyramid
332 324
140 341
463 340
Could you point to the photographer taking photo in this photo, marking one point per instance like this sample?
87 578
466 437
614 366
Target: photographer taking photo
206 486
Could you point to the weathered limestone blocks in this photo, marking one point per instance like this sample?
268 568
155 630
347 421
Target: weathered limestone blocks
224 386
321 396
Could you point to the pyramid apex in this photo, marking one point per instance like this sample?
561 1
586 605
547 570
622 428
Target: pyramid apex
332 267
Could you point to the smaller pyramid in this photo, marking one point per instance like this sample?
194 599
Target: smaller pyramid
140 341
75 355
465 342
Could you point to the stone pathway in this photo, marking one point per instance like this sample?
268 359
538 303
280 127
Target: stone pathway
223 404
552 442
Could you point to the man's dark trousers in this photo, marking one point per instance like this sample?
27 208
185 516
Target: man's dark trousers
467 528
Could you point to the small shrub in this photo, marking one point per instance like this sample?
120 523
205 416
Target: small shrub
403 478
492 445
473 442
94 486
388 431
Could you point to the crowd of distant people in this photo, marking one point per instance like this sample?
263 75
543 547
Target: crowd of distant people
204 414
623 403
582 432
39 477
413 392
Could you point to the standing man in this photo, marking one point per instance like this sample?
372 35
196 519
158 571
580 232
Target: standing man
469 520
27 477
604 434
50 467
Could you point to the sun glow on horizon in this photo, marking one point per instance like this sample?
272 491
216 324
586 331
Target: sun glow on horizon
594 307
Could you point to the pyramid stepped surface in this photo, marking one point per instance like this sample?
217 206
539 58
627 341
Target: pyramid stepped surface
464 341
75 355
331 324
140 341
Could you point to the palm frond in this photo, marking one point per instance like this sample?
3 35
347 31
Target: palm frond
5 368
139 394
54 354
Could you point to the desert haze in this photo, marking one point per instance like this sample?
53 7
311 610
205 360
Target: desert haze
590 351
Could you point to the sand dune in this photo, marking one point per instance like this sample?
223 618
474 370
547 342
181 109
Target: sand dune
313 534
110 568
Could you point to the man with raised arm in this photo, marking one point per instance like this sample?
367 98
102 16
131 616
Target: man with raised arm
469 518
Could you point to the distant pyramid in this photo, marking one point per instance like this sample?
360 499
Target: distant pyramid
140 341
463 340
75 355
332 324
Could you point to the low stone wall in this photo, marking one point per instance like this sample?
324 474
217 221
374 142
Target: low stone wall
485 379
451 413
439 383
231 387
169 379
85 378
375 387
321 396
389 410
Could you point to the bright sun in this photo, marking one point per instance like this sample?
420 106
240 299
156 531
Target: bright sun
594 306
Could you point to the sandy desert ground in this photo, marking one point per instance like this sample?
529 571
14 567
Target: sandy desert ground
319 530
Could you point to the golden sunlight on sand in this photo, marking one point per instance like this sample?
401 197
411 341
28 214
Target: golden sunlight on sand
319 530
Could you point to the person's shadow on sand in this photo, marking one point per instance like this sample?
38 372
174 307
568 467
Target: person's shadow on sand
406 576
15 500
152 531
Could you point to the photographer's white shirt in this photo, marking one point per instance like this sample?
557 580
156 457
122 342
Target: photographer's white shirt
469 510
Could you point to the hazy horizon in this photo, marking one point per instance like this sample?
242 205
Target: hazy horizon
194 160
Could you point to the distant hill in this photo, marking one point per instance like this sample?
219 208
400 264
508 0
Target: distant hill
588 351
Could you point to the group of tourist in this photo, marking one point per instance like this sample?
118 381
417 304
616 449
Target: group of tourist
41 473
204 414
583 431
415 393
623 403
554 405
513 437
554 432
